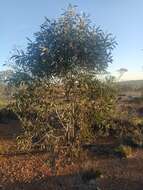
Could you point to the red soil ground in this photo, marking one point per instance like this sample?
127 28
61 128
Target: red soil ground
29 172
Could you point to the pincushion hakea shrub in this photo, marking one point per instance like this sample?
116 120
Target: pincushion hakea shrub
65 113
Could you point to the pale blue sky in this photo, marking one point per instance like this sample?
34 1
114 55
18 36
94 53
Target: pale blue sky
124 18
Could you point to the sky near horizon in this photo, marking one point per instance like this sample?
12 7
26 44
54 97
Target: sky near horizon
122 18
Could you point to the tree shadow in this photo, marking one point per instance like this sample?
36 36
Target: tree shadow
65 182
73 182
120 184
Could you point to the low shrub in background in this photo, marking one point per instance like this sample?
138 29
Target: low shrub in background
123 151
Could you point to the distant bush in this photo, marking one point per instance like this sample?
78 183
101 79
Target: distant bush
123 151
128 130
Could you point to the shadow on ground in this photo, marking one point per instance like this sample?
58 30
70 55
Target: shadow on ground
71 182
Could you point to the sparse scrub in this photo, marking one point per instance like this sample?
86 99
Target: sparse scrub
123 151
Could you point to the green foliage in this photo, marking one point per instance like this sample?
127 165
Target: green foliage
134 136
17 77
5 90
59 100
5 75
5 95
70 112
123 151
70 43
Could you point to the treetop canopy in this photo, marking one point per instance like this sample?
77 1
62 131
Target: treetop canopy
67 44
